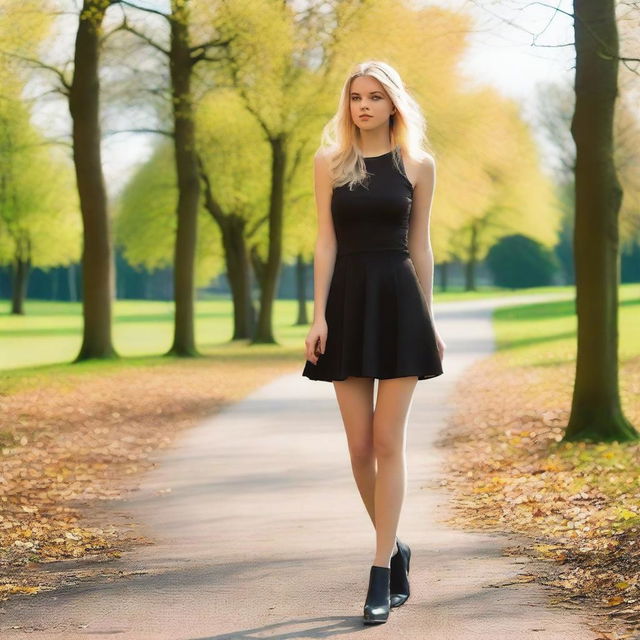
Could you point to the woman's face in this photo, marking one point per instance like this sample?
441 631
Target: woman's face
368 97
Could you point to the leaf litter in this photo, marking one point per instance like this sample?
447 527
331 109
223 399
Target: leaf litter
577 503
72 441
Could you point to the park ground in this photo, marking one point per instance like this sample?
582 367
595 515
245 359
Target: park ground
73 436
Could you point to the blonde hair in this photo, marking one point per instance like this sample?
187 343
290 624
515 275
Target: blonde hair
407 129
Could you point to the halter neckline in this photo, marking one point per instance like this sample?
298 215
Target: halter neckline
380 156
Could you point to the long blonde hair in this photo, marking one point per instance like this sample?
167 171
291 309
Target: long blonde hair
341 137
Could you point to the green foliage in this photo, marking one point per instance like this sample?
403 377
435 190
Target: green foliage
237 160
145 220
39 212
518 261
235 154
23 26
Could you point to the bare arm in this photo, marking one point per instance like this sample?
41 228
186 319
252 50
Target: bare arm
325 251
324 256
419 235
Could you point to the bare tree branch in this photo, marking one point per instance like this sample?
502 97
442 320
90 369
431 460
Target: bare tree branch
604 52
251 231
42 65
215 42
62 142
212 205
203 56
125 26
139 8
163 132
556 9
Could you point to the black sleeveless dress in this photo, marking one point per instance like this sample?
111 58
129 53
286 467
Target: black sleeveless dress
376 312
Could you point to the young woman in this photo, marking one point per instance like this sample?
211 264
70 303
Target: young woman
373 279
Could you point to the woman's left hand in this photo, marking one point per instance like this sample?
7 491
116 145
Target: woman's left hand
441 345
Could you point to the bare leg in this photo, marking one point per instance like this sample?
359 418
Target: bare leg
355 399
389 442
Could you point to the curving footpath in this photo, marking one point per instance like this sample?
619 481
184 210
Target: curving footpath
261 533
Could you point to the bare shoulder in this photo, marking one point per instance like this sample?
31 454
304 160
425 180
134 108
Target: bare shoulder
322 161
322 167
427 166
419 170
425 172
323 155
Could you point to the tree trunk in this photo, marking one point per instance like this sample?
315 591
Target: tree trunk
301 287
444 275
239 272
71 281
84 99
596 414
269 281
239 276
55 277
21 268
232 229
188 182
470 266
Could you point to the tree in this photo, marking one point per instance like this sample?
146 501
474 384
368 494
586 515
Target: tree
145 220
97 261
236 191
505 189
596 412
182 56
517 261
555 106
284 91
83 95
36 196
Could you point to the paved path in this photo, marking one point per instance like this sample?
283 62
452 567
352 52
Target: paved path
263 535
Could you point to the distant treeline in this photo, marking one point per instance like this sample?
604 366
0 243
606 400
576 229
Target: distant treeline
64 283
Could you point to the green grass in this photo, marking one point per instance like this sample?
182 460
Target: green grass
48 336
51 333
494 292
545 333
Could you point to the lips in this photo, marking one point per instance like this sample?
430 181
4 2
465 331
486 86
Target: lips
364 117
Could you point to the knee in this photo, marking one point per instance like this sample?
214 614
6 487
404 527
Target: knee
387 447
361 452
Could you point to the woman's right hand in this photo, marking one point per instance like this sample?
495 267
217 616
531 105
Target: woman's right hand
317 332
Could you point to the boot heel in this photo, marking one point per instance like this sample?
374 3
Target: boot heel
399 582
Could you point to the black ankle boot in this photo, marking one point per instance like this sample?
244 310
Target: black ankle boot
376 608
399 578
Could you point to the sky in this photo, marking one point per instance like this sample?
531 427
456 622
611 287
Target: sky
513 46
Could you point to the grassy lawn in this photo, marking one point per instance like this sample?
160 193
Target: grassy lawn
48 337
545 333
51 332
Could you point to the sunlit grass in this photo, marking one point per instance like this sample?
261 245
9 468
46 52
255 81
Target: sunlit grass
545 333
51 332
47 338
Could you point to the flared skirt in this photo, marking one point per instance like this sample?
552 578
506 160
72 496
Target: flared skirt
377 319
